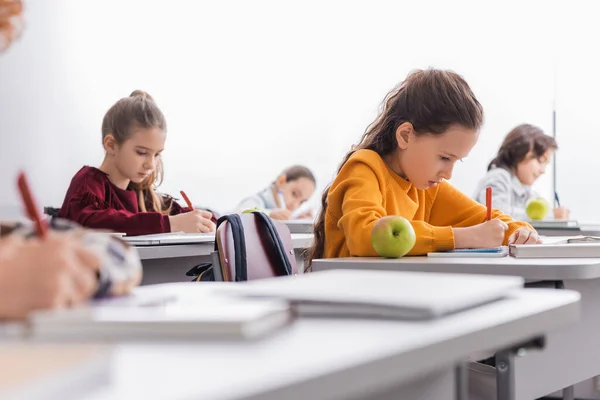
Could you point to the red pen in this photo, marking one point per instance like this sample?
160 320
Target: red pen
488 202
30 207
187 200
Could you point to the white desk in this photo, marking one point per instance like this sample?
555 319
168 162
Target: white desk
528 268
572 355
299 241
170 263
330 359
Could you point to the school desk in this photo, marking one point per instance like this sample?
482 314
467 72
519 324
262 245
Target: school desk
335 359
572 355
169 263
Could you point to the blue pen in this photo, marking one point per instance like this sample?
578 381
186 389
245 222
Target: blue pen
556 198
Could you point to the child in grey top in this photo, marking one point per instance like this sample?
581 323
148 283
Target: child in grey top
285 195
521 160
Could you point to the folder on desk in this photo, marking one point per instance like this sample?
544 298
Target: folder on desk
381 294
576 247
188 312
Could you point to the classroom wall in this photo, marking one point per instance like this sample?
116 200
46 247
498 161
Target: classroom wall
249 88
577 121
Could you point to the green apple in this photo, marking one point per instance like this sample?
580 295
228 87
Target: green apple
537 208
393 236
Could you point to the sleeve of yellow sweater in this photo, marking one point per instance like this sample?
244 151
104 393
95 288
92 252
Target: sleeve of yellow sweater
453 208
362 206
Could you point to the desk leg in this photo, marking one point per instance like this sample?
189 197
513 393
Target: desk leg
505 378
505 367
462 381
569 393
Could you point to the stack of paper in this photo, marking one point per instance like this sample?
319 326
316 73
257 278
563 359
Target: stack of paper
191 311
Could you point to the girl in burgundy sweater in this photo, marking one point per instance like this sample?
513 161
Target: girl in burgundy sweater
120 195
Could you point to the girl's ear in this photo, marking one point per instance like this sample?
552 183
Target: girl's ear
404 135
281 180
110 144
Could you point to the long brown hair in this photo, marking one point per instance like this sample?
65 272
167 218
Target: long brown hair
138 111
518 143
431 100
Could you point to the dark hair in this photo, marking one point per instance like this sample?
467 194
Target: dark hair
296 172
138 111
432 101
519 142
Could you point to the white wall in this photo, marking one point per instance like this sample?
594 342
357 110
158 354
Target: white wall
249 88
578 116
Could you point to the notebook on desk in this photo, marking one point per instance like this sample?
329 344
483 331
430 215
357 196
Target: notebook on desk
500 251
575 247
188 312
381 294
170 238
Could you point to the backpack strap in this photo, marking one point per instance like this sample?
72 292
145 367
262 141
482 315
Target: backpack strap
239 242
273 244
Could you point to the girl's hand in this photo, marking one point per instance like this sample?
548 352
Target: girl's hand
488 234
524 236
196 221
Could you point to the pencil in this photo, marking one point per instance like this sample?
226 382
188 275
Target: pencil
187 200
488 202
30 206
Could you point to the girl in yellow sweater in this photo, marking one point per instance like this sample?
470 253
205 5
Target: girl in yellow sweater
400 167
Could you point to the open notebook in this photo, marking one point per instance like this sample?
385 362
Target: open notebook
500 251
176 311
381 294
582 239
